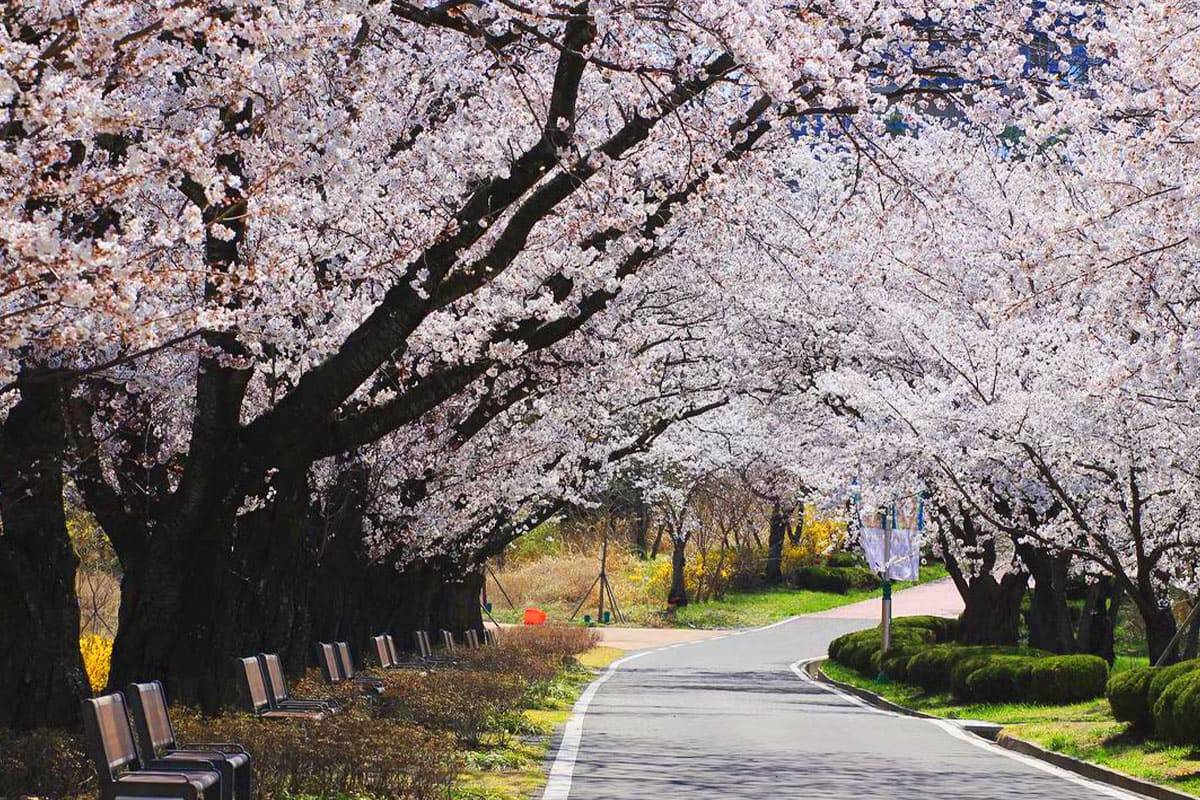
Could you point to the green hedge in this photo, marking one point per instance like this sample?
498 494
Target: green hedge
1001 678
839 580
1177 710
844 560
1067 679
1127 694
1164 676
947 666
860 650
945 629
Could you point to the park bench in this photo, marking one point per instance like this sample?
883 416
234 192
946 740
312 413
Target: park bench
255 685
279 694
389 658
156 737
349 673
383 652
425 650
121 772
337 667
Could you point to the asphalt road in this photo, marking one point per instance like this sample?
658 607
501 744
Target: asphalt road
730 718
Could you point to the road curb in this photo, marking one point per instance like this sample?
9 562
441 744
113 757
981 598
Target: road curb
1085 769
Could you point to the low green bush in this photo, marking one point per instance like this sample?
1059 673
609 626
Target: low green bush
895 665
834 579
1177 713
1164 676
945 629
861 577
1067 679
941 668
822 579
930 668
845 559
1128 696
1001 678
860 650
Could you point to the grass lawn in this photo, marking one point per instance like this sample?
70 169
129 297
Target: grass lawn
1083 730
512 764
736 610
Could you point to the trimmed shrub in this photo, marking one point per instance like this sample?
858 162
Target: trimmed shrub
1001 678
1067 679
860 650
845 559
1128 696
822 579
861 577
1164 676
1177 711
895 665
945 629
930 668
933 669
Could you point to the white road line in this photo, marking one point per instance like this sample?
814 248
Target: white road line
558 785
983 744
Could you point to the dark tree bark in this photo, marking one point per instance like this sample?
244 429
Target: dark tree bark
780 524
1160 630
992 608
1191 642
43 676
1050 620
641 525
658 537
1097 628
677 596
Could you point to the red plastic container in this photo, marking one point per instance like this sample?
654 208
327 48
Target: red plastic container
535 616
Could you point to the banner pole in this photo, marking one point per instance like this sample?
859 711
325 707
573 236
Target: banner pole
887 583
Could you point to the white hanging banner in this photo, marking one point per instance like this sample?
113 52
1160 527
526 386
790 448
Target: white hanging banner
904 547
902 526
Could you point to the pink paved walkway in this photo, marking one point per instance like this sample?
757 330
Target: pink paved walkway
939 598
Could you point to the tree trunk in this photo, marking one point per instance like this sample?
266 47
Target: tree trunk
1191 641
278 580
641 526
658 537
43 677
677 596
1049 618
1160 630
1096 633
779 530
992 609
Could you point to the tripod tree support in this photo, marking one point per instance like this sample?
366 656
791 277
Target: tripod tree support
605 590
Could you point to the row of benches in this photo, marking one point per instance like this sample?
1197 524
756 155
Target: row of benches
137 755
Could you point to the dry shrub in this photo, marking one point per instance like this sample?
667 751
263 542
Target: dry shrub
346 754
551 579
463 702
313 686
44 763
550 640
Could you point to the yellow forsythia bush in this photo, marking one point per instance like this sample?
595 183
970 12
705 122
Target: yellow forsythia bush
818 535
97 656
